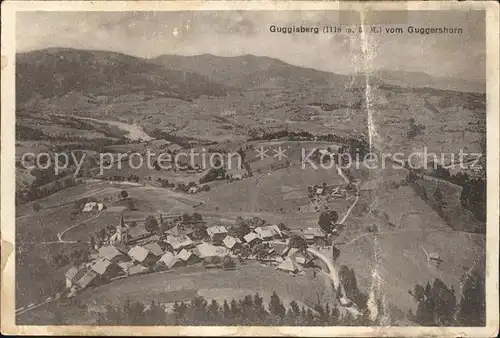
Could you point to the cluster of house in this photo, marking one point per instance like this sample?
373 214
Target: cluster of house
326 190
134 250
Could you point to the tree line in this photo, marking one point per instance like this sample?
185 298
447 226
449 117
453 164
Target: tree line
437 303
250 310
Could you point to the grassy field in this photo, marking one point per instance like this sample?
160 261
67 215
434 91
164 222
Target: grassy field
182 284
395 252
270 193
454 214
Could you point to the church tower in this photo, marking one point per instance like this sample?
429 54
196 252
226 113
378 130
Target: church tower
121 232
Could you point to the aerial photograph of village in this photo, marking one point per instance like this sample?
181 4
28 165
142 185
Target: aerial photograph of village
205 168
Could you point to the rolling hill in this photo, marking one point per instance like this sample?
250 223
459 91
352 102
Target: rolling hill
423 80
250 71
55 72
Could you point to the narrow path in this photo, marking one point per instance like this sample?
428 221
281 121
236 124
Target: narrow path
59 235
333 273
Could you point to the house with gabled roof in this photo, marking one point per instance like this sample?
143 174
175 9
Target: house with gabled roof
137 270
73 275
90 278
105 269
112 254
205 250
299 257
217 233
289 266
276 231
125 266
179 242
137 233
154 248
252 238
141 255
168 260
231 242
187 257
314 235
264 233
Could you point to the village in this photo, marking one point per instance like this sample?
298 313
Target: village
134 248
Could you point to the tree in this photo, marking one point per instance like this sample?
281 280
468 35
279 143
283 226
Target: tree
228 263
226 310
123 194
437 308
275 306
196 217
298 242
438 196
472 304
186 219
151 224
473 198
241 228
295 308
213 309
327 220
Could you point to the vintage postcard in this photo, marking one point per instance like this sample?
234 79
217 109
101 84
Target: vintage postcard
239 168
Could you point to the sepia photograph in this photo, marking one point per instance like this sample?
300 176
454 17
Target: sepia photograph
296 167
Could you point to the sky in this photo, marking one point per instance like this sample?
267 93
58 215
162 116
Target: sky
232 33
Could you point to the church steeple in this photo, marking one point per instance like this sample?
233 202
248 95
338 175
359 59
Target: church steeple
121 235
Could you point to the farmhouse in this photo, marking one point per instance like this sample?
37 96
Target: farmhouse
217 233
112 254
434 256
193 190
231 243
137 269
168 260
106 269
205 250
314 235
268 232
141 255
90 278
174 147
299 257
280 248
73 275
187 257
137 233
125 266
289 266
252 238
93 206
154 248
264 233
179 242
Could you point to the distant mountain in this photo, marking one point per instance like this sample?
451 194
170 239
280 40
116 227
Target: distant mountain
419 80
57 71
250 71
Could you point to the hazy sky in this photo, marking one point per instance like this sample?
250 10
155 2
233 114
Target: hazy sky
230 33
